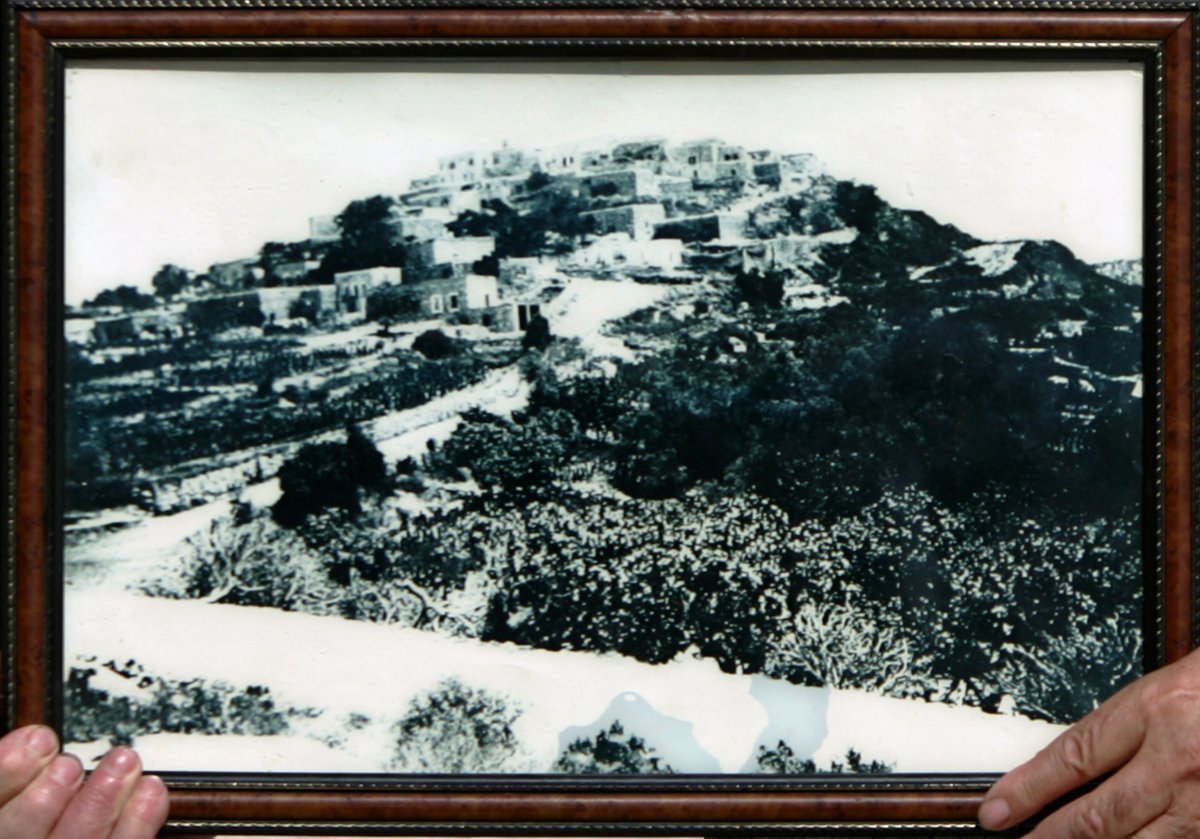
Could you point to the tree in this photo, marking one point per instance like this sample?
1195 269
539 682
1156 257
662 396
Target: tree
552 223
516 459
537 334
329 475
537 179
369 238
858 205
170 280
759 289
126 297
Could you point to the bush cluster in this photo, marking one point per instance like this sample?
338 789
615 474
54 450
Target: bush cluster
150 704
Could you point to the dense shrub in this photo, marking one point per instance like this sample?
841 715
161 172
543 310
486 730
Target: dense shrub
141 703
516 459
759 289
455 729
435 345
325 476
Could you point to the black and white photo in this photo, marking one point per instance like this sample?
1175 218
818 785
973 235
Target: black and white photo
578 418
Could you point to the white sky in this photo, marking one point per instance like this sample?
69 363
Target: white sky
201 163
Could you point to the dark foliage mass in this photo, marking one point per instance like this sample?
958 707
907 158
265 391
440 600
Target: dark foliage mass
549 225
326 476
124 297
537 335
435 345
368 239
169 280
150 704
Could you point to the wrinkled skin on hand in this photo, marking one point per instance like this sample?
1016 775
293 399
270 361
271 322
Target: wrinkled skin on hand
1147 736
45 795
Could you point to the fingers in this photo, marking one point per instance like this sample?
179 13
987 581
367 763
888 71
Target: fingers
1098 743
1130 799
95 809
24 753
1168 826
34 812
146 811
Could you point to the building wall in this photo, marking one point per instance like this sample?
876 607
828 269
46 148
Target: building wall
618 249
481 291
464 168
296 271
421 228
277 303
464 250
461 294
236 275
636 220
705 228
354 287
453 198
625 184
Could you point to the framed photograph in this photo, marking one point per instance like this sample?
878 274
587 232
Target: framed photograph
696 419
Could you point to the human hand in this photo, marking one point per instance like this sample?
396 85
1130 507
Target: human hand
43 794
1147 735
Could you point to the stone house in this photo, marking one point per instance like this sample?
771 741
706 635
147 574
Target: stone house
704 228
709 160
458 294
235 275
622 184
279 305
352 288
464 250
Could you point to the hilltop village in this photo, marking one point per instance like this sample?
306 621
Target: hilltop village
646 209
719 240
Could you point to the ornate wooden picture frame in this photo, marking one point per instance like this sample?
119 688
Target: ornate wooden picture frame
720 254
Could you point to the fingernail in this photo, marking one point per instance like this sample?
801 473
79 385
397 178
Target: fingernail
120 762
149 801
41 741
65 770
152 785
150 789
994 814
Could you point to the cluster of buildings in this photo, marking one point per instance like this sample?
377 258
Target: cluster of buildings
650 206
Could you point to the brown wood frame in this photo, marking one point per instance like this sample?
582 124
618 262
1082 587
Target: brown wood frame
40 32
